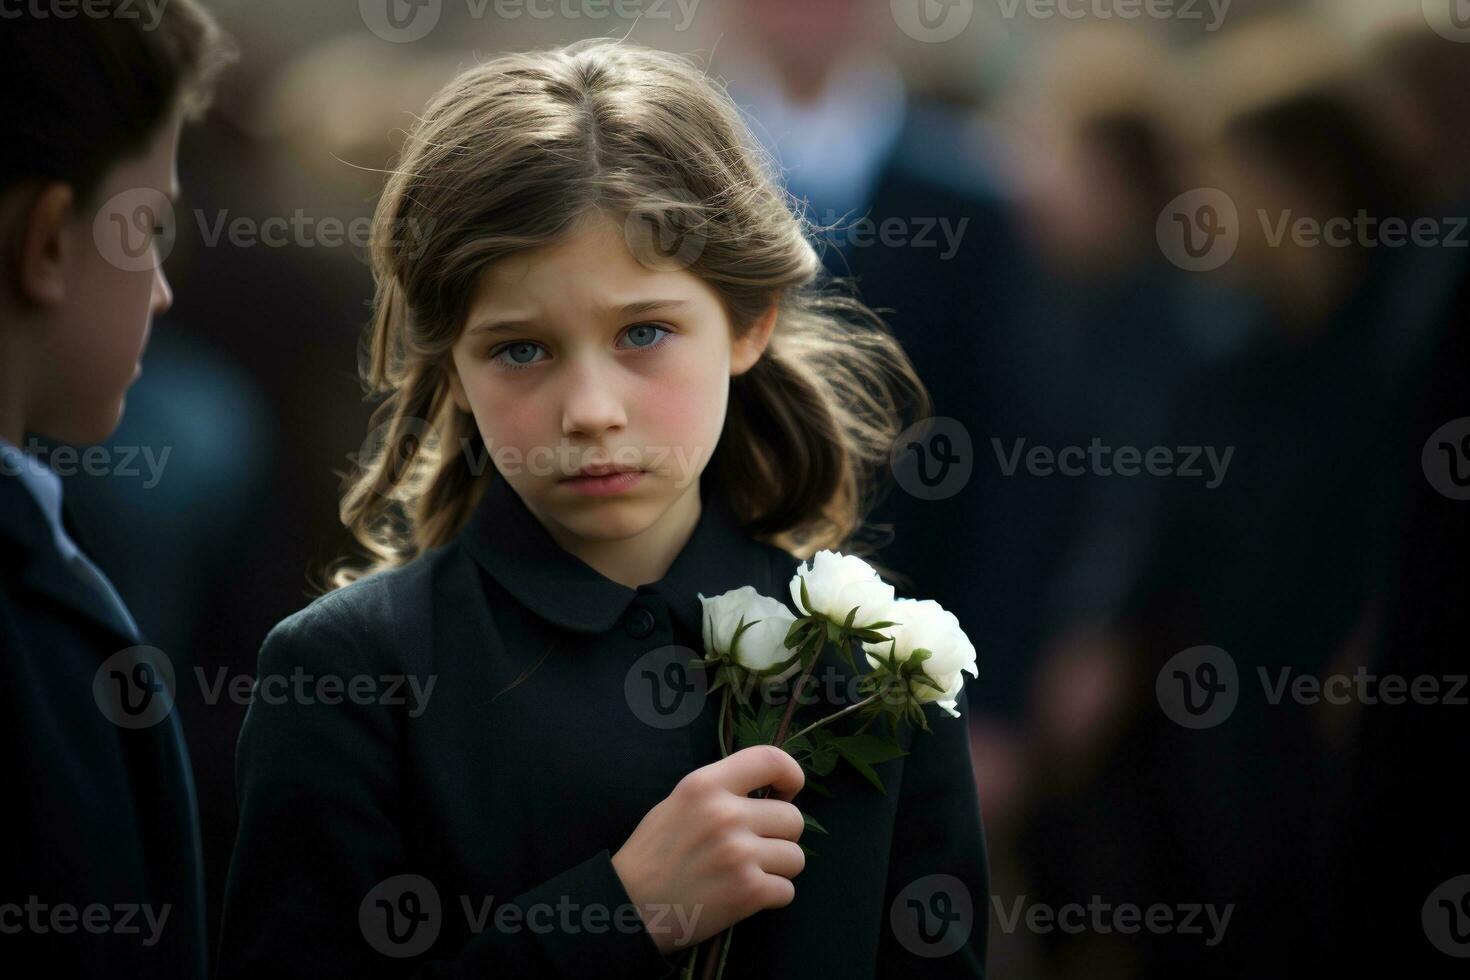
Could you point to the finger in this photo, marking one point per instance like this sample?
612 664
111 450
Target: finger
780 857
773 818
761 765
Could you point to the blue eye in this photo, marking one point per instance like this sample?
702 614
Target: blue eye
522 353
519 347
645 330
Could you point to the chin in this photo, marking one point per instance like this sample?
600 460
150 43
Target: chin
85 431
607 518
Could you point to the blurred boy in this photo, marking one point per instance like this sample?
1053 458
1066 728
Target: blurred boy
102 872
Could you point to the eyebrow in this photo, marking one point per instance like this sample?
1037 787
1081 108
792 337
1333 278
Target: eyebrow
631 309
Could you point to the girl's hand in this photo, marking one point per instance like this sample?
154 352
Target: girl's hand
708 856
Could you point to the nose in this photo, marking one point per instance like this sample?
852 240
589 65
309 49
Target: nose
163 295
593 404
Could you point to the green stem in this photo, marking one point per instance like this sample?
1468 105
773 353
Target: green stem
720 727
725 951
838 714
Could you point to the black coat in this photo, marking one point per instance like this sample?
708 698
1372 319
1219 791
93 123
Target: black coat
98 815
485 791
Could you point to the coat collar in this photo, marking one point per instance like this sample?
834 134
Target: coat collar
508 541
23 522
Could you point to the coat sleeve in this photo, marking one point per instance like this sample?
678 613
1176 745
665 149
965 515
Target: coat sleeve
937 902
319 882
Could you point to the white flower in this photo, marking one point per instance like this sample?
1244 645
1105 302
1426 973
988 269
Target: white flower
923 624
836 583
760 647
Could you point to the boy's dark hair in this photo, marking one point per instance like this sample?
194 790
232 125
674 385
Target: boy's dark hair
81 92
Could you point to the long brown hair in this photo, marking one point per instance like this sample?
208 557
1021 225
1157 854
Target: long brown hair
507 157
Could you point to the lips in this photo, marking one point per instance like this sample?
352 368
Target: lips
602 470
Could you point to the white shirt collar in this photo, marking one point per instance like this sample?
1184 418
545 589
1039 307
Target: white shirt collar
834 147
45 486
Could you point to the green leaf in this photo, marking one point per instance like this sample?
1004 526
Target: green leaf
812 824
823 760
806 850
869 748
861 765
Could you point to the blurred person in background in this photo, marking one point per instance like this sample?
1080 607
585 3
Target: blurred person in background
105 875
1279 565
1114 326
1401 836
916 206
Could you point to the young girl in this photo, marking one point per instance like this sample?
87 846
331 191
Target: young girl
614 384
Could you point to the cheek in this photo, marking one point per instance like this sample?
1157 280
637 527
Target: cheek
111 310
506 416
686 407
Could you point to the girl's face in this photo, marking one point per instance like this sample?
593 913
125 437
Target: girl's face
576 355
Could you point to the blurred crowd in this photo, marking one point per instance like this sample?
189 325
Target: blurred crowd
1100 237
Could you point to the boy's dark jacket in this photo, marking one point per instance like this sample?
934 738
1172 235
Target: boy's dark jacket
97 816
385 836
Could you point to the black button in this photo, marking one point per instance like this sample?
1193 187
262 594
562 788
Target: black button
639 622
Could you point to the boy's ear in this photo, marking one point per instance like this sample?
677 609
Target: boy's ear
747 350
43 245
